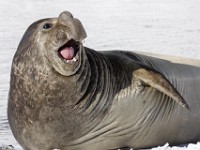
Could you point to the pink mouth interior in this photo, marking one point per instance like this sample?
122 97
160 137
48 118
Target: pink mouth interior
67 53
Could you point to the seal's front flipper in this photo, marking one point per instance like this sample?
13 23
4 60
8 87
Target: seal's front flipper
159 82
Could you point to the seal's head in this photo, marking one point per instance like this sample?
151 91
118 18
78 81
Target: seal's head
60 42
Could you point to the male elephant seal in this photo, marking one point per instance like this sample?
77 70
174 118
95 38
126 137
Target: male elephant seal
66 96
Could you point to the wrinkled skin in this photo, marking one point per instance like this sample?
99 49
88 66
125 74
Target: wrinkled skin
98 100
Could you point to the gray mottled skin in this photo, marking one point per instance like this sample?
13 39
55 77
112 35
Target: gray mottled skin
101 101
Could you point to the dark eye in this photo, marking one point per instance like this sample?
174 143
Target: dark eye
47 26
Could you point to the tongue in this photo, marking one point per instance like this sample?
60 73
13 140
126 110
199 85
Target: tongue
67 53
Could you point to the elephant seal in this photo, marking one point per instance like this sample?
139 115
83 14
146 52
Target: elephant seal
69 97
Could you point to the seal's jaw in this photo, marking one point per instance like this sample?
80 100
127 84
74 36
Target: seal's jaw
66 59
69 51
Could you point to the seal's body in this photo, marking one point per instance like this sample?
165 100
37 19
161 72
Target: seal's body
69 97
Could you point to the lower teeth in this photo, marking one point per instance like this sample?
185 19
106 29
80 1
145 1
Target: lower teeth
74 59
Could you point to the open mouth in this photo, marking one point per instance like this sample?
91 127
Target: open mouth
68 51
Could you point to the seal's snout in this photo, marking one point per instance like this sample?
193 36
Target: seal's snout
74 26
65 18
65 15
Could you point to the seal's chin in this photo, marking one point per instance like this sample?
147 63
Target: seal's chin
68 52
